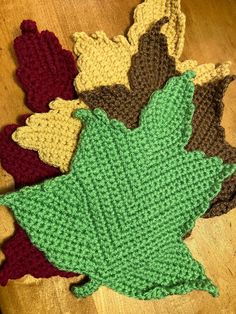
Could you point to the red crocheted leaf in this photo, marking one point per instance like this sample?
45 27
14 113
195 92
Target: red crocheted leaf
23 258
45 71
24 165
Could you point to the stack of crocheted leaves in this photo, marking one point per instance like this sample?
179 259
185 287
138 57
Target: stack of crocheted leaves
139 177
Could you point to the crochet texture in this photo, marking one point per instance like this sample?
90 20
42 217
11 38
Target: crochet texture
53 134
45 71
104 61
41 60
120 214
23 258
150 69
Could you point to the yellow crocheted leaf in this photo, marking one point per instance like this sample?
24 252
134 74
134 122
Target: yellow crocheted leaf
53 134
204 72
106 62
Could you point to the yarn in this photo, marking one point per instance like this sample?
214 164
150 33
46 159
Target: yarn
24 165
45 71
24 258
57 133
150 69
21 257
104 61
42 63
120 213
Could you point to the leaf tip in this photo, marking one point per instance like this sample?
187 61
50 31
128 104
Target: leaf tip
28 26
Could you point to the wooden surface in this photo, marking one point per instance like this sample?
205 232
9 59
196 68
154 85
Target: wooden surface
210 37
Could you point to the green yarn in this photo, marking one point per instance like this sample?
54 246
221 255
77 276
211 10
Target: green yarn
131 195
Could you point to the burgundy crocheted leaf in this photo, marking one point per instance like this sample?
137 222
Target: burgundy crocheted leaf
151 67
45 71
24 165
23 258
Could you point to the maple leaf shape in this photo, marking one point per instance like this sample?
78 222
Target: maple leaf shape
150 69
105 62
120 214
45 71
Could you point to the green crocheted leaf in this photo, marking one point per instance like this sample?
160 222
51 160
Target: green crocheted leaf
131 195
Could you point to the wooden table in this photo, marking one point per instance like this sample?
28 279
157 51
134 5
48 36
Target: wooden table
210 37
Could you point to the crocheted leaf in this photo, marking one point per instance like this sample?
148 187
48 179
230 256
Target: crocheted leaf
57 133
149 71
106 62
45 71
24 165
209 136
23 258
120 214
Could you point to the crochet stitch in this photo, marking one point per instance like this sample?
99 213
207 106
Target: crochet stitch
24 165
120 214
106 62
45 71
57 133
42 62
23 258
150 69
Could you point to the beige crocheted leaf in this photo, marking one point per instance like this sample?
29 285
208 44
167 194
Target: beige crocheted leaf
48 133
204 72
105 62
53 134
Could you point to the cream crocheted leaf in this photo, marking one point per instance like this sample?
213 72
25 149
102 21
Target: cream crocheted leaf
204 72
53 134
104 61
151 67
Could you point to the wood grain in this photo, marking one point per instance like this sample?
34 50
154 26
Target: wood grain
210 37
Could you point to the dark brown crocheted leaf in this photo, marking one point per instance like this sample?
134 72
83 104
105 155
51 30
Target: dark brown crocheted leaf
209 136
150 68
